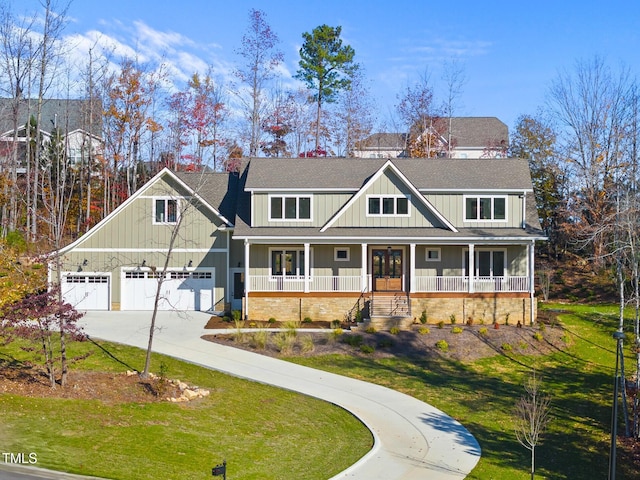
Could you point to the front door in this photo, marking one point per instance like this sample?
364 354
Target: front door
387 269
237 288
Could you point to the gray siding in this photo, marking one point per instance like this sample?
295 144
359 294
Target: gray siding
451 205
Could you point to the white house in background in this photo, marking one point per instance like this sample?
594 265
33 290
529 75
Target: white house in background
83 136
458 137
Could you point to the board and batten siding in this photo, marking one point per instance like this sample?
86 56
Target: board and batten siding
451 205
323 204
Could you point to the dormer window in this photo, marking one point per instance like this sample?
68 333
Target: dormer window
481 208
387 205
289 207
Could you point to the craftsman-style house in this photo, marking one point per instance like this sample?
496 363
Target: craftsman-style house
321 238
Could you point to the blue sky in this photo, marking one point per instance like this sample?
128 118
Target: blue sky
510 50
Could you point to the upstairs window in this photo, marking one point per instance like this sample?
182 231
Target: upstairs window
287 207
387 205
485 208
165 210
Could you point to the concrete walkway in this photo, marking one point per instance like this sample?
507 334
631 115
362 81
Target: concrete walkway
413 440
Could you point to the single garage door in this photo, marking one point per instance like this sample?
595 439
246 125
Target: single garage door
86 291
180 290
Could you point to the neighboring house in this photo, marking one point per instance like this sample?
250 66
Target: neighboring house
456 137
304 237
83 137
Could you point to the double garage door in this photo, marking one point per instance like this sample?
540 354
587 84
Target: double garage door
180 290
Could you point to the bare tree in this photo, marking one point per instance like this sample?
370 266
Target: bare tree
261 59
532 417
352 119
454 78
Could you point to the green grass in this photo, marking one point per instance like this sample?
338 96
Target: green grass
482 394
262 432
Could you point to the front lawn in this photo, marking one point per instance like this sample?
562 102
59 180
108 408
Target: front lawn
262 432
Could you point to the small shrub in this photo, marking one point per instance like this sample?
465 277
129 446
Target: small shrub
442 345
336 332
252 325
506 347
226 319
423 317
371 329
284 343
566 339
272 320
163 380
394 330
259 339
335 323
307 320
456 330
470 321
441 324
367 349
538 336
291 328
236 315
307 344
452 318
483 332
542 327
496 325
358 316
523 345
353 340
424 330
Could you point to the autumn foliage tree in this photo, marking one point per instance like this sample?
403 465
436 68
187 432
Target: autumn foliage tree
49 323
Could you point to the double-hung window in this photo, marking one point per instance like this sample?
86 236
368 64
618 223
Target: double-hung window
165 210
477 208
387 205
289 207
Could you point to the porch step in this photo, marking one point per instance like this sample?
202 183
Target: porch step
390 305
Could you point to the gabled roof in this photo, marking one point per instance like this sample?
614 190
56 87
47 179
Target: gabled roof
66 114
350 174
416 195
140 192
466 132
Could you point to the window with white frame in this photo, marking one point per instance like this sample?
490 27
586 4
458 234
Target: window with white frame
287 263
433 254
481 208
289 207
387 205
165 210
341 254
487 263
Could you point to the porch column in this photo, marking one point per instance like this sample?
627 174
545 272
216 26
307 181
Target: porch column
307 271
247 280
531 268
472 268
364 284
412 268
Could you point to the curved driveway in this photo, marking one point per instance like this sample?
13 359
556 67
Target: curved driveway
413 440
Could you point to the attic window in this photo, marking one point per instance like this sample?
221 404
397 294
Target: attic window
396 205
165 210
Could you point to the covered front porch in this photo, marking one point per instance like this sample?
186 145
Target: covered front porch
411 268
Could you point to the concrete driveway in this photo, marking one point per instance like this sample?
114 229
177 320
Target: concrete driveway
413 440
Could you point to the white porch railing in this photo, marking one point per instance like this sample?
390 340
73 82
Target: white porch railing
268 283
337 283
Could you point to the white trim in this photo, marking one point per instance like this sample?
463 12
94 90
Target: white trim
152 250
476 190
141 192
298 250
432 249
490 220
345 249
381 197
283 197
416 193
419 240
311 190
166 199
